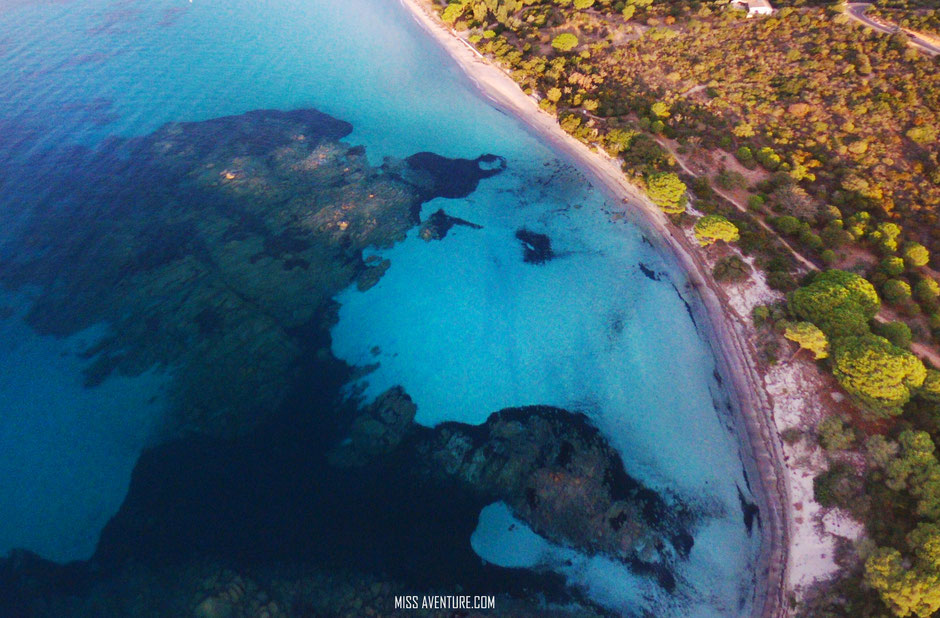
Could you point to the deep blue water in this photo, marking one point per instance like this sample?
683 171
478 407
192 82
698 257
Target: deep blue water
465 324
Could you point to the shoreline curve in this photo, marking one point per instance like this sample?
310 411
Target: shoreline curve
734 354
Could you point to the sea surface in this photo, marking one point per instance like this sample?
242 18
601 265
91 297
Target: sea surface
465 324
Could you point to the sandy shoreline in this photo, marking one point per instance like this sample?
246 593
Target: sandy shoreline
734 353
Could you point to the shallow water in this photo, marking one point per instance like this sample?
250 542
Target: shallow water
464 323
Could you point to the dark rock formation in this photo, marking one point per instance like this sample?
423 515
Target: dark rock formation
378 430
649 273
442 177
562 477
371 274
536 248
552 467
207 246
439 223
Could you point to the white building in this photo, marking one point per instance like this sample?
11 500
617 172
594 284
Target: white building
753 7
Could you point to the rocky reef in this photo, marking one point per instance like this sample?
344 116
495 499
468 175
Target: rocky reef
439 176
213 249
439 223
536 248
556 471
551 466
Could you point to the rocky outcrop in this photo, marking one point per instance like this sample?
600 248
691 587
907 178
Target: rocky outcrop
536 248
552 467
213 249
439 223
378 430
561 476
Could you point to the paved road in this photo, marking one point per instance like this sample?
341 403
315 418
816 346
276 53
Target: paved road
856 10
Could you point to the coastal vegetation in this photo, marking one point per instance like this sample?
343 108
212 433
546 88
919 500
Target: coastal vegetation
713 228
810 142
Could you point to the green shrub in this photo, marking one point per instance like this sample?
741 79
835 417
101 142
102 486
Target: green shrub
731 269
897 333
892 266
896 291
833 434
837 486
926 290
755 203
915 254
745 156
760 314
786 224
791 435
713 228
930 389
565 42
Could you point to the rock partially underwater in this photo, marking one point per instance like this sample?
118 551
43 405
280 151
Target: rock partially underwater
439 176
390 498
552 467
213 249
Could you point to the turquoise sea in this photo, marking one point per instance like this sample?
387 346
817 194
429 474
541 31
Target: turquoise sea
464 324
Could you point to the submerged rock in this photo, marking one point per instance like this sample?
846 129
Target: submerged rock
552 467
207 247
378 430
536 248
371 274
556 471
439 223
443 177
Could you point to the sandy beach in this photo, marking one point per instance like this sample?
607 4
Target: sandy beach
727 335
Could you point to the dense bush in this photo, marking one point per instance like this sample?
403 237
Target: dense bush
731 269
667 191
880 375
713 228
897 333
565 42
838 302
834 435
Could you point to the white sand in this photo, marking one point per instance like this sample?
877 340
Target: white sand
799 400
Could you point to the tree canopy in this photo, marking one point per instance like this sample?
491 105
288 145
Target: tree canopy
915 254
712 228
809 337
565 42
905 591
667 192
880 375
838 302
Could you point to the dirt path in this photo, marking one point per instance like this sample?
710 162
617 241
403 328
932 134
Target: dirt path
737 204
